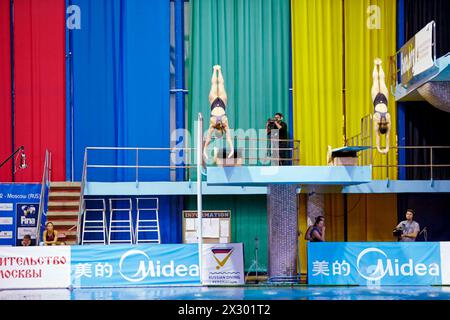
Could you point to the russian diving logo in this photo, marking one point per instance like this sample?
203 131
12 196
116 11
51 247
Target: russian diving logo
136 265
221 255
373 264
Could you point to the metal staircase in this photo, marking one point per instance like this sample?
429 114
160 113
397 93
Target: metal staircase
63 208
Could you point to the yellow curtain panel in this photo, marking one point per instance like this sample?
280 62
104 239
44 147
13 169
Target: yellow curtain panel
334 43
370 32
317 49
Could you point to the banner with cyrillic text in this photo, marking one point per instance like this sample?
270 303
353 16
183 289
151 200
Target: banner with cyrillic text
35 267
135 265
374 263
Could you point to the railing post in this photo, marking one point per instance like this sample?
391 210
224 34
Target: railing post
387 165
45 177
83 181
431 163
137 167
199 193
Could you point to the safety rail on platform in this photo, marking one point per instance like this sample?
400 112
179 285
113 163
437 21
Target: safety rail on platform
81 202
364 138
429 165
46 177
366 157
250 155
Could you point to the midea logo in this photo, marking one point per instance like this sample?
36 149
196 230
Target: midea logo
385 266
138 260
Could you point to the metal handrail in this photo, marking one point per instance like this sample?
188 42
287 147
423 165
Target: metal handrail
45 183
294 157
431 165
81 202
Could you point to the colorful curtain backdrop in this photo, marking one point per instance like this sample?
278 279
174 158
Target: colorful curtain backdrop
39 72
250 40
317 77
5 91
121 87
370 32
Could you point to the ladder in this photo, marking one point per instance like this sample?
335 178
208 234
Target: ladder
147 222
97 225
119 221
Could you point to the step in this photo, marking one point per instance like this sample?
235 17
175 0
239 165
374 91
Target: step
75 194
64 196
67 213
62 184
63 204
67 233
59 223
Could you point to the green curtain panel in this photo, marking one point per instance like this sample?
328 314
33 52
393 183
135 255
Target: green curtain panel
248 221
250 40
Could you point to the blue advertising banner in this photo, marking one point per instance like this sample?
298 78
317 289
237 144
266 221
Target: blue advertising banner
374 263
19 204
27 214
138 265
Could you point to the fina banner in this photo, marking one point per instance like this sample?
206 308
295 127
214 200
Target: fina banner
26 221
374 263
19 207
135 265
417 54
223 264
35 267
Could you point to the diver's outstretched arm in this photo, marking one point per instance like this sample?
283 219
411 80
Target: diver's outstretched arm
230 143
207 142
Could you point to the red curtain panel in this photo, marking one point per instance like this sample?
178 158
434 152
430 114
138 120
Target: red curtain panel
5 92
39 68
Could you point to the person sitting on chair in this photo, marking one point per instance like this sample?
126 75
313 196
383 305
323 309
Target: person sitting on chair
381 116
218 119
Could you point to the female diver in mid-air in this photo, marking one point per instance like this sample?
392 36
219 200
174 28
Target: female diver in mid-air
381 116
218 119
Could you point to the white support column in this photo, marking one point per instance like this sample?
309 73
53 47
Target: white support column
199 193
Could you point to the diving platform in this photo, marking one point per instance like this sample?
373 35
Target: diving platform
383 186
348 151
186 188
263 176
165 188
440 72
